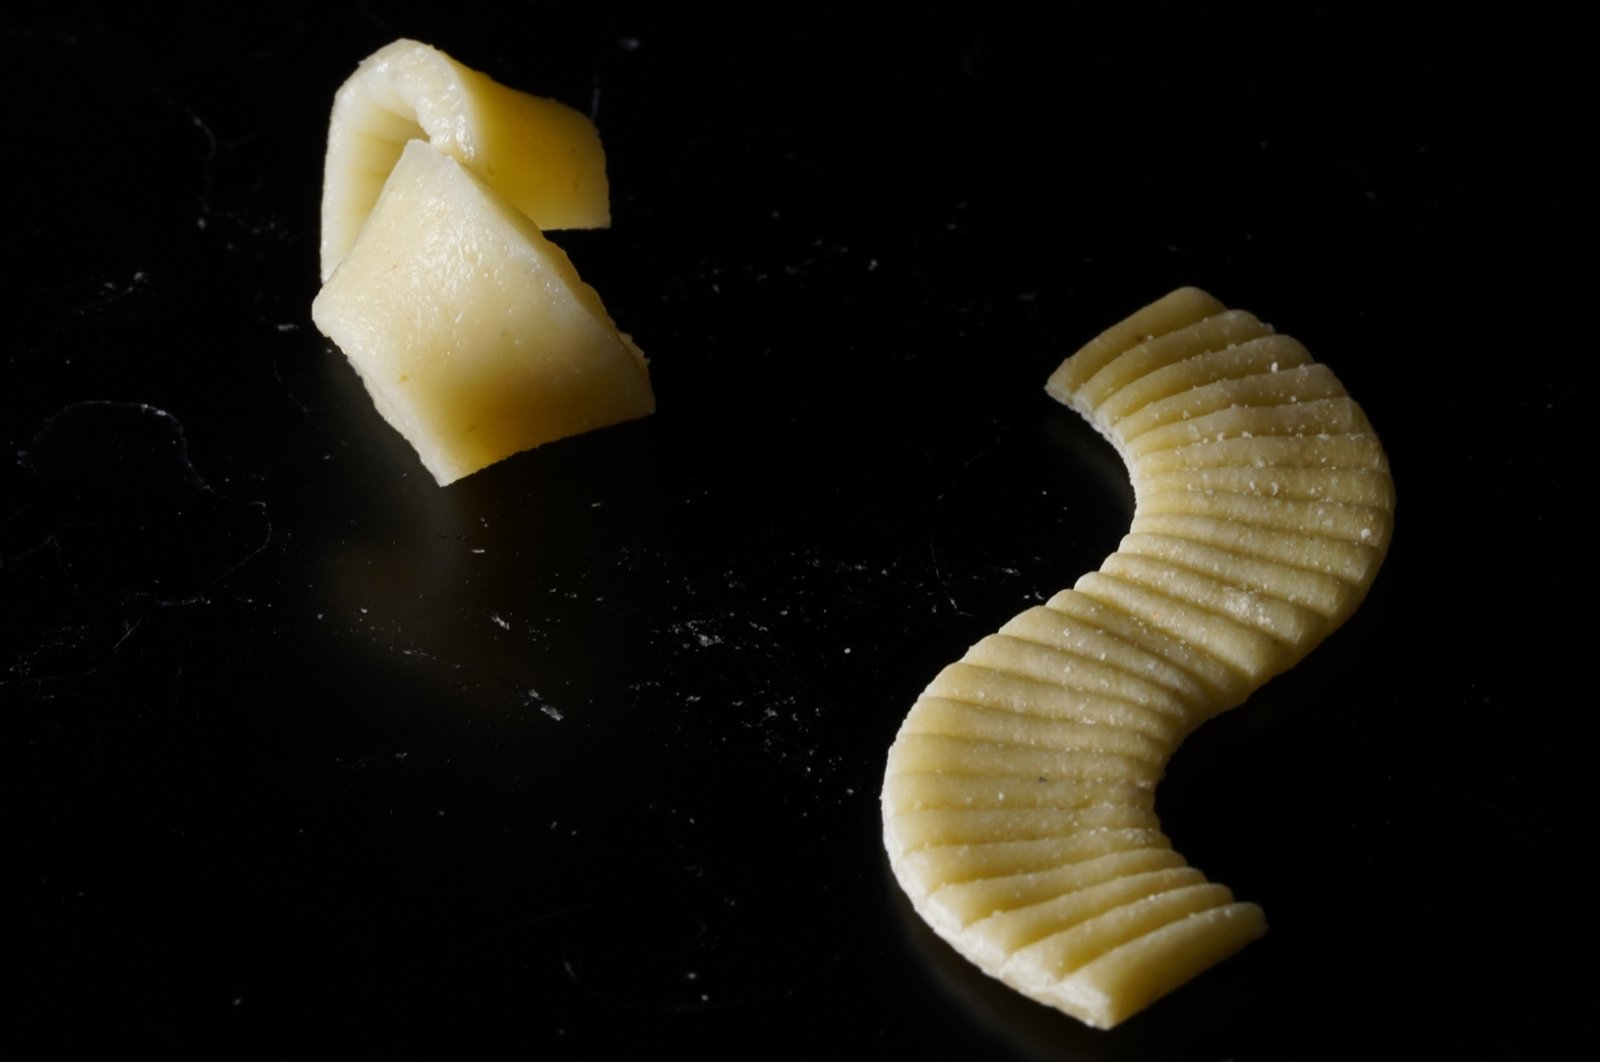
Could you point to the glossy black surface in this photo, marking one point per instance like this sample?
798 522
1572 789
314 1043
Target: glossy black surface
580 756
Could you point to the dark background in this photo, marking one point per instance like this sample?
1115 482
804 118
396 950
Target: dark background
580 756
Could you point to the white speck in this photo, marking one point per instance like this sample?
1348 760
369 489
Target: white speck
476 551
1366 533
872 265
594 505
847 650
502 624
1274 366
553 713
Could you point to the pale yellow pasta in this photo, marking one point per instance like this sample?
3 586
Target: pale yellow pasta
1018 803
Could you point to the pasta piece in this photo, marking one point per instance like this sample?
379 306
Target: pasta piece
1018 799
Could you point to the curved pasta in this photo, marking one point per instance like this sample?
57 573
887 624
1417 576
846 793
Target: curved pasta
544 157
1018 801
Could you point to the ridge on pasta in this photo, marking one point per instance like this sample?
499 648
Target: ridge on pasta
1018 802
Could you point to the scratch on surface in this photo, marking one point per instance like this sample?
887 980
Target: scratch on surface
277 374
206 184
129 525
112 291
933 534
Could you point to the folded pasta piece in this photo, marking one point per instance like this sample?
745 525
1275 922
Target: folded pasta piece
544 157
472 332
1010 807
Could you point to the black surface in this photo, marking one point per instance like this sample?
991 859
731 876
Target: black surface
580 756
